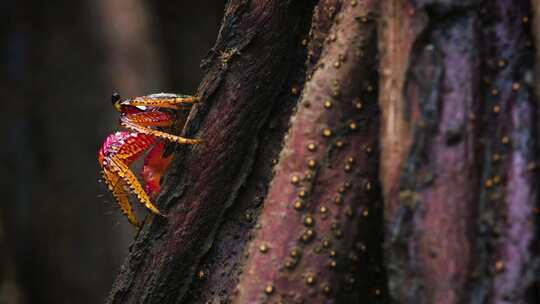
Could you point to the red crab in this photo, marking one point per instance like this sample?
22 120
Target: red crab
146 118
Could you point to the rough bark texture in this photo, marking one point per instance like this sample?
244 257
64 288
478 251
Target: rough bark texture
399 26
221 267
282 202
255 45
320 218
467 97
505 265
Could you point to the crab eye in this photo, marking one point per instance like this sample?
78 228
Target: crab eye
115 98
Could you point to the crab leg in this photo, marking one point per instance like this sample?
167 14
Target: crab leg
131 180
138 122
171 101
126 123
116 186
149 119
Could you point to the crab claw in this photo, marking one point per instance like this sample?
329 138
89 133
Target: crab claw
153 168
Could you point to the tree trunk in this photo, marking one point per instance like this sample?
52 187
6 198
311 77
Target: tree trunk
284 200
246 72
462 189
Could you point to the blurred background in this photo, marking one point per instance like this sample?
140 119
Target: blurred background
62 239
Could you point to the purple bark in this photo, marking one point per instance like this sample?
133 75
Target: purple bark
322 209
462 227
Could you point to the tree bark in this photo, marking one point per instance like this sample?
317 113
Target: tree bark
245 72
461 189
283 202
323 207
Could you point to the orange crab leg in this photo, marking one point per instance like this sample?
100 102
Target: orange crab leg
116 186
128 124
138 122
149 119
131 180
171 101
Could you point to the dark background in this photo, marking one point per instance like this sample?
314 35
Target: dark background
62 239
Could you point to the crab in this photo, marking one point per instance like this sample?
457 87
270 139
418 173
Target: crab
146 118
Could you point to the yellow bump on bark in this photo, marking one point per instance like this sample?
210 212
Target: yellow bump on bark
499 266
201 274
263 248
365 213
326 243
311 279
332 263
308 221
327 132
269 289
327 104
